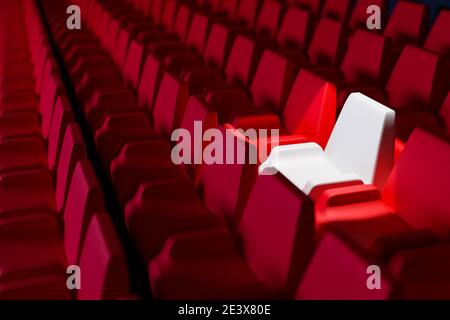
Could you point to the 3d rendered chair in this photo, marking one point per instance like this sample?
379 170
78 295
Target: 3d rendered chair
361 147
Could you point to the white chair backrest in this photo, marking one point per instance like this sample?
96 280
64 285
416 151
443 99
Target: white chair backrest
362 141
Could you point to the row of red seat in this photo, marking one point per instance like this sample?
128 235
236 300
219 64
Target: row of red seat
369 63
142 170
406 25
52 211
402 228
199 251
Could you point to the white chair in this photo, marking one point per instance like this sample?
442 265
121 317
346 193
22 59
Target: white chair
361 147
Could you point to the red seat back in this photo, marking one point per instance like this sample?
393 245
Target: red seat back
268 18
182 21
218 46
407 23
102 261
273 81
244 58
418 80
169 13
338 272
277 231
326 46
198 32
359 15
365 60
336 9
84 199
62 116
438 39
247 12
417 188
312 6
311 108
295 29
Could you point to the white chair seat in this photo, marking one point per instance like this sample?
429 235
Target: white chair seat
305 166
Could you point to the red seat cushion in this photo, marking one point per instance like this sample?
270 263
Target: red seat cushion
153 208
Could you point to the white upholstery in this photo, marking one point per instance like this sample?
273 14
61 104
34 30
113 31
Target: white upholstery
361 147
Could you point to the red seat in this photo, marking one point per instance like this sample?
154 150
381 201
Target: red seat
170 105
309 114
313 6
45 254
50 89
84 199
38 230
366 59
18 80
247 13
326 48
134 63
275 253
93 63
72 151
416 83
103 262
22 154
62 117
203 265
244 58
339 272
150 81
374 223
97 80
407 23
406 123
18 101
111 35
198 31
438 39
336 9
295 31
35 187
18 125
359 16
218 46
168 13
366 63
123 44
116 132
273 81
153 208
277 246
139 162
424 191
103 104
230 7
423 272
84 49
51 287
268 18
311 108
155 9
228 201
182 21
